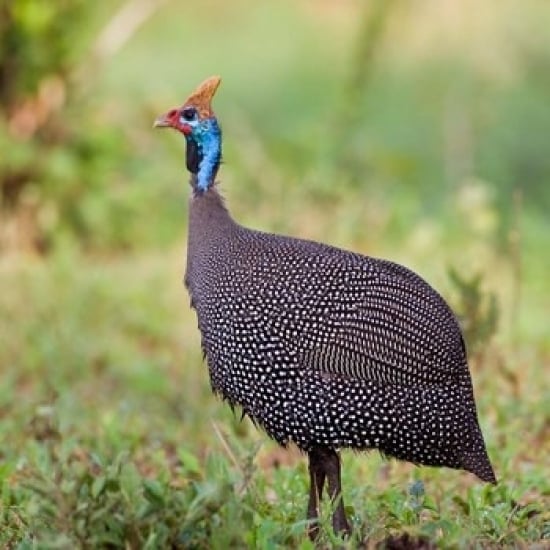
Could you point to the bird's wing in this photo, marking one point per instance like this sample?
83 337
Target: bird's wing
381 322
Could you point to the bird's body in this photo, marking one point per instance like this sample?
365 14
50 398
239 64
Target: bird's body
326 348
322 346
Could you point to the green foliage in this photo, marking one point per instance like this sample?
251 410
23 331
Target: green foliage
110 437
477 310
63 495
38 39
84 168
53 181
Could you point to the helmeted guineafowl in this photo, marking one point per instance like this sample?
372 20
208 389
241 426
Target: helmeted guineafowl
322 347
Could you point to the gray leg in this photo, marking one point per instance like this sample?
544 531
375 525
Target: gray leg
316 483
332 469
325 463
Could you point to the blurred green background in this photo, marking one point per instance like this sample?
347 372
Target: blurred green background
415 131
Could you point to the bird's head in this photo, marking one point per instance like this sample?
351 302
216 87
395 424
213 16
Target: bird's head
196 121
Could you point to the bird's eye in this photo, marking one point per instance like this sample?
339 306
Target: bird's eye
189 113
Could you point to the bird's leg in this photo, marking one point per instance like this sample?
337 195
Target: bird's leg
324 463
316 483
332 470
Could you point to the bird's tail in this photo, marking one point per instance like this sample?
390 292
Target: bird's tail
475 458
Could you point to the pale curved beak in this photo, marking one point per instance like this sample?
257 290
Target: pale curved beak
162 122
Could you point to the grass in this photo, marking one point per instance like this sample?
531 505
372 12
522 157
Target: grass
109 434
110 437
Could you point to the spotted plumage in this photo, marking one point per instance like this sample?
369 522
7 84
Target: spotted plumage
323 347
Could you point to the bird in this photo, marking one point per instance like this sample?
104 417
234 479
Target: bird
321 347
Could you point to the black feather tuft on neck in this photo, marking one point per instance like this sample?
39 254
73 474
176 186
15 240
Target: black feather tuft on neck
193 156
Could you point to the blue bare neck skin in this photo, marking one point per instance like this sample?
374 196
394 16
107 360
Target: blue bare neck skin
204 152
